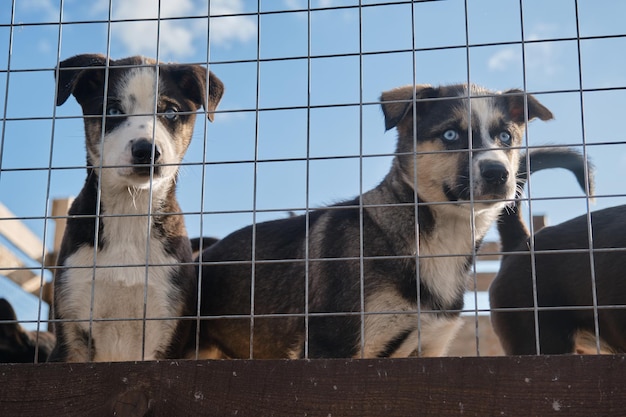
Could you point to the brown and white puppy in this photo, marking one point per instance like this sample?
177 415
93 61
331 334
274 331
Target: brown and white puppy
379 275
124 261
565 312
18 345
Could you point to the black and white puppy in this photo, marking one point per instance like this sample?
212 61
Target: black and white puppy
565 309
377 276
124 260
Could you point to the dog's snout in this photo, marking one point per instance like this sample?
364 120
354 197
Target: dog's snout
142 152
494 173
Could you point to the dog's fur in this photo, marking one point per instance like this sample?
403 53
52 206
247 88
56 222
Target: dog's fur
315 273
18 345
128 208
198 244
564 287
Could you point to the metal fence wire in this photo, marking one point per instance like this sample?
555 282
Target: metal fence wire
349 216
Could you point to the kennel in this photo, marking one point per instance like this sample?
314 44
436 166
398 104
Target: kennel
300 127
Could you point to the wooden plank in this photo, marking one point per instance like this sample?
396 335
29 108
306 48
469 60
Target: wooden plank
13 267
508 386
60 207
483 280
33 285
539 222
19 235
492 251
465 343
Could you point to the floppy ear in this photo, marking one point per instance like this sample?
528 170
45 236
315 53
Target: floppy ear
398 103
71 78
515 101
192 80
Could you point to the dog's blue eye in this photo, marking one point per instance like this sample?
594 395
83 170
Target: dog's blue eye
451 135
171 113
504 137
114 111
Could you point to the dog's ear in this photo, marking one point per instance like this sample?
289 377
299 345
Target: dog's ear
71 80
398 103
192 80
515 102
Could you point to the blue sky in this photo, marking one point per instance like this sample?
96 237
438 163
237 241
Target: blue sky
251 46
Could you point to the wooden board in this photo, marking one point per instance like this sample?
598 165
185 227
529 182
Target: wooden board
500 386
13 267
19 235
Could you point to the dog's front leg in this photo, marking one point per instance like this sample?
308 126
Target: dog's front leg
75 346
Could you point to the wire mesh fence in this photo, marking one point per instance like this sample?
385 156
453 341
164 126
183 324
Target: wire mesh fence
304 137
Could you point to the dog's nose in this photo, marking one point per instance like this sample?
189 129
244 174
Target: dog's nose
142 152
494 173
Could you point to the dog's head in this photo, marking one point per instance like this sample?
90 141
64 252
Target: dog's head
459 143
139 113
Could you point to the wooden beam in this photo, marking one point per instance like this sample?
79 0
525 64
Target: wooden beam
16 232
539 222
13 267
499 386
483 281
60 207
33 285
492 251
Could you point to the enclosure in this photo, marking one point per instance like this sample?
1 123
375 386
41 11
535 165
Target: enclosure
300 127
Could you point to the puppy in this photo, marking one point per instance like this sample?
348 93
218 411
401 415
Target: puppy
382 275
18 345
565 286
125 256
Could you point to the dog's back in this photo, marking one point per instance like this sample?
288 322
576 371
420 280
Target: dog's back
18 345
281 267
563 275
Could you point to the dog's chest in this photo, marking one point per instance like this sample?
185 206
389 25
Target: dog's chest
120 282
445 255
443 262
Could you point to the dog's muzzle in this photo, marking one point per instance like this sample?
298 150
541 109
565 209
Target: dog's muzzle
494 174
142 153
492 183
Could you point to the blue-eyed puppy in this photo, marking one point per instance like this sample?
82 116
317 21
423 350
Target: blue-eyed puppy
384 274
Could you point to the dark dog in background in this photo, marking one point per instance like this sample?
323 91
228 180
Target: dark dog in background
198 244
18 345
564 286
377 276
125 259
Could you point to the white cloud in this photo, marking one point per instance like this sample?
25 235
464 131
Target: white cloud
502 60
46 8
177 38
540 56
303 4
226 30
294 4
44 46
325 3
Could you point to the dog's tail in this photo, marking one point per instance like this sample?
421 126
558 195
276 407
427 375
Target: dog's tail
511 226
